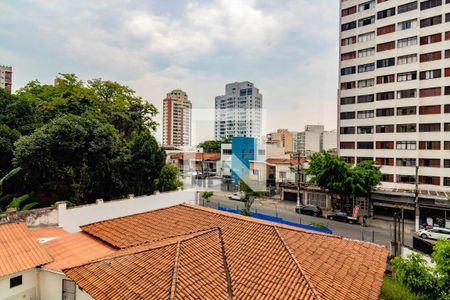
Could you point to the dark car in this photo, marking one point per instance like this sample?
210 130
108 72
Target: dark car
342 217
312 210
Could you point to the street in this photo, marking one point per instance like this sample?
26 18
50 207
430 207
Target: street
380 234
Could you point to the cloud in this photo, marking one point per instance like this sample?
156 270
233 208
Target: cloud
287 48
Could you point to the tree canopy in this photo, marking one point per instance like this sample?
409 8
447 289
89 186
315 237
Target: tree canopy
213 146
78 141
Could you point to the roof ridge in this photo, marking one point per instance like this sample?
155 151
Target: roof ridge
176 266
225 265
201 232
308 281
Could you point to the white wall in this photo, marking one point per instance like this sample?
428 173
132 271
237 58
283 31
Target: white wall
51 286
71 218
26 291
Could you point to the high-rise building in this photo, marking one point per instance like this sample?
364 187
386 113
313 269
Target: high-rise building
239 111
394 89
285 137
6 77
177 119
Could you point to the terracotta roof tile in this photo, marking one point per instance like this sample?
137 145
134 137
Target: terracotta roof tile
19 250
75 249
196 156
264 260
46 234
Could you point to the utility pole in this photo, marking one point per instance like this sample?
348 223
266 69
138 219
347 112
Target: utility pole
298 177
416 193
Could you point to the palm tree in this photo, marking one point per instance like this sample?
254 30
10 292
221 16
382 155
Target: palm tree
16 201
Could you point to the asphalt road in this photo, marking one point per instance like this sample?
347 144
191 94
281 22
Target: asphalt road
381 236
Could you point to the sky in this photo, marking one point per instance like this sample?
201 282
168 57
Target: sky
288 49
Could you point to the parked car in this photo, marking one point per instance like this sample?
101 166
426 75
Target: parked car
434 233
312 210
342 217
236 196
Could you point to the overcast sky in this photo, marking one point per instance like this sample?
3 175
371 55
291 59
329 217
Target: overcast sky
287 48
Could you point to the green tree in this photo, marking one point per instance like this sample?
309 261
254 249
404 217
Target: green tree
425 281
206 195
17 202
213 146
169 179
8 137
365 176
249 195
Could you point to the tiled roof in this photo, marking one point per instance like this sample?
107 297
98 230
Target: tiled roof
44 234
285 161
75 249
253 259
196 156
19 250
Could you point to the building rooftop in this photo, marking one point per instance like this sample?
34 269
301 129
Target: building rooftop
19 250
196 156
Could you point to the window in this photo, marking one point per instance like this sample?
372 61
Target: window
282 174
347 100
385 128
447 145
385 112
385 145
348 26
347 115
348 85
447 181
384 161
366 83
348 41
409 41
409 179
349 160
15 281
386 46
366 52
407 59
407 7
429 39
347 130
348 71
430 92
437 55
447 72
348 11
447 90
385 96
447 15
365 114
387 177
410 24
366 21
446 126
386 29
446 163
430 74
386 13
385 79
411 127
366 68
361 159
407 76
447 108
431 21
387 62
365 129
430 127
365 37
429 110
429 180
68 289
347 145
365 145
366 5
406 145
348 56
412 93
432 145
406 162
429 4
227 152
406 111
365 98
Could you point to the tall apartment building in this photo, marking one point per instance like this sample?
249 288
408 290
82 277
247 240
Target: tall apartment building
393 104
177 119
6 77
285 137
239 111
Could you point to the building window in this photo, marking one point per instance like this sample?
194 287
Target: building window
365 129
348 56
68 289
411 127
348 41
386 29
385 96
348 71
431 21
348 26
385 145
406 42
447 163
386 13
430 127
366 21
406 162
409 179
387 62
387 178
347 145
447 108
348 85
406 110
361 159
429 180
366 68
429 110
385 128
407 59
365 37
429 39
15 281
366 52
407 76
437 55
385 79
365 145
383 161
366 83
431 74
430 92
386 46
365 98
432 145
385 112
347 100
410 24
412 93
406 145
366 5
347 115
407 7
429 162
447 181
446 126
429 4
347 130
348 11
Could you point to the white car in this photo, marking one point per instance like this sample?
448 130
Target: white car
435 233
236 196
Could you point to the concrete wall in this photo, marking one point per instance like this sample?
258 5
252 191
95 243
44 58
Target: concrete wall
34 218
50 287
71 218
26 291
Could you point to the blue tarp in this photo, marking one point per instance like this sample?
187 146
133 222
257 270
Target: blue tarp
277 220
